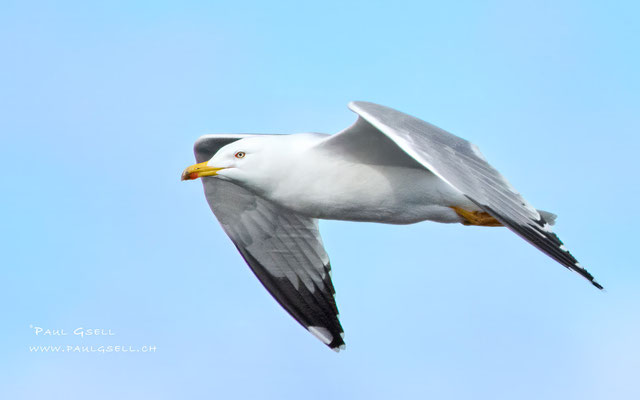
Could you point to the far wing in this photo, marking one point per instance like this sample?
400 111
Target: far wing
283 249
460 164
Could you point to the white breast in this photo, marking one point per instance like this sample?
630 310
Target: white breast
338 189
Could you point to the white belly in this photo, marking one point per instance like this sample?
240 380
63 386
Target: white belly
360 192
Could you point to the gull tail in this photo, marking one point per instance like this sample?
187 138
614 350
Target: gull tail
549 217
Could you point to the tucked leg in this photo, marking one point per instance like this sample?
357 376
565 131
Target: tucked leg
478 218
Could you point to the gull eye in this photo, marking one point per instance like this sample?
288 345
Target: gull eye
240 154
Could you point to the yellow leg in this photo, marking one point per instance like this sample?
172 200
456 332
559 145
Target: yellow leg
478 218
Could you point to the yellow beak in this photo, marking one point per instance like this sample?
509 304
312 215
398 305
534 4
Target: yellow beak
198 171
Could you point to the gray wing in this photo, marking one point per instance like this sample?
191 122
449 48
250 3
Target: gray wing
457 162
283 249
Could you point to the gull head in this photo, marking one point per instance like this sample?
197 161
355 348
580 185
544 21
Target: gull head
255 162
230 162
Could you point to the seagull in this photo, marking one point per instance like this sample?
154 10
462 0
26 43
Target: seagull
269 191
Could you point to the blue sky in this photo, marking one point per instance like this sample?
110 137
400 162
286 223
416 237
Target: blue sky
101 103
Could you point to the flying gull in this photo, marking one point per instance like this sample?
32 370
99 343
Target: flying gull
269 191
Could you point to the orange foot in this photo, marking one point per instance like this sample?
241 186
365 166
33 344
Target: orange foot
479 218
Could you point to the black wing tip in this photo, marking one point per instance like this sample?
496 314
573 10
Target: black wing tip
582 271
596 284
334 339
338 343
543 223
540 236
338 348
585 274
326 328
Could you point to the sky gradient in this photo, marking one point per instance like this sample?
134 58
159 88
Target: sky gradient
99 108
